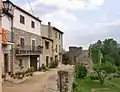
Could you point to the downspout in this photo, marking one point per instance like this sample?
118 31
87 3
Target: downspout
12 46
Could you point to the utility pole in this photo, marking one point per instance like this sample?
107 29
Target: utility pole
1 46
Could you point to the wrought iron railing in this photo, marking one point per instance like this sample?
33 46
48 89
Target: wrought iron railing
28 50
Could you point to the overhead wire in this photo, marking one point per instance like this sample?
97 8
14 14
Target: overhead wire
30 6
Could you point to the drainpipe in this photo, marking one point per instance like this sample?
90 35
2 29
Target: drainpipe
1 51
12 46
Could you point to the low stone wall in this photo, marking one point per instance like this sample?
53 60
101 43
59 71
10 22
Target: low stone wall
65 80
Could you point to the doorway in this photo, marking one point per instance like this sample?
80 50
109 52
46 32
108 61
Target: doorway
33 62
6 63
47 61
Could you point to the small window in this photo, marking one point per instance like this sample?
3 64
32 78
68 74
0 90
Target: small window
59 49
55 34
56 48
33 44
56 57
22 42
32 24
22 19
51 59
47 61
47 45
59 36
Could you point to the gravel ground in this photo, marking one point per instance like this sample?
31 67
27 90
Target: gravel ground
38 83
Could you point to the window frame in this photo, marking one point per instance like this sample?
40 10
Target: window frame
55 34
32 24
56 48
22 19
59 36
32 39
23 44
47 45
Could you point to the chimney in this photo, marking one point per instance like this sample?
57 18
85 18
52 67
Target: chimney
49 24
49 30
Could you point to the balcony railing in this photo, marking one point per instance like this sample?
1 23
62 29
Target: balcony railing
28 50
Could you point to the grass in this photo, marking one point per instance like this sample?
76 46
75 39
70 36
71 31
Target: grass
88 85
116 81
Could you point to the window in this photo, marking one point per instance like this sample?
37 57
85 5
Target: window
56 48
59 49
56 57
55 34
32 24
22 42
33 44
47 45
51 59
59 36
22 19
47 61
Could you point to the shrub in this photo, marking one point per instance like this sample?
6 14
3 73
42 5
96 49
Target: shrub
116 76
93 77
54 64
43 67
12 75
3 76
32 69
80 71
9 73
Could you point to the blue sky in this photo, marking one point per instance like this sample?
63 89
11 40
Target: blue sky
82 21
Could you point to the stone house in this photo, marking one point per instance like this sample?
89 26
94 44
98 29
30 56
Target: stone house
24 46
52 40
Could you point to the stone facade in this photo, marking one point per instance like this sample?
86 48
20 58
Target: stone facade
73 53
77 54
27 36
65 80
54 37
18 33
47 52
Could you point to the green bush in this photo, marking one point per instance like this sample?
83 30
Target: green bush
93 77
54 64
43 66
80 71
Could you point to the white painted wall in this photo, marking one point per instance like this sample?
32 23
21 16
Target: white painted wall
26 62
6 23
27 25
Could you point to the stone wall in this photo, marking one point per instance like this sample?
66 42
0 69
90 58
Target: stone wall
27 36
73 53
65 80
27 42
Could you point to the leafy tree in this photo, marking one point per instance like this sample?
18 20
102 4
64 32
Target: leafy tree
109 50
80 71
65 59
102 70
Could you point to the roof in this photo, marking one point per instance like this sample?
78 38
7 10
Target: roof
46 38
57 30
23 11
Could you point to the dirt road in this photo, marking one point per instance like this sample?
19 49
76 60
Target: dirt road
38 83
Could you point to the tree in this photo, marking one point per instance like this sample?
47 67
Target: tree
109 50
80 71
102 70
65 58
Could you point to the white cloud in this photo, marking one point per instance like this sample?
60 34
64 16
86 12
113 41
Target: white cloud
67 20
69 4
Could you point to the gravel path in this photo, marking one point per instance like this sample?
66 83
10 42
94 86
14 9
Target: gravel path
38 83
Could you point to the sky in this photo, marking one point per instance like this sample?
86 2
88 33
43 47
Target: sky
82 21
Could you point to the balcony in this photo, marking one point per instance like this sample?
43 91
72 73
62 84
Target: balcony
28 50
